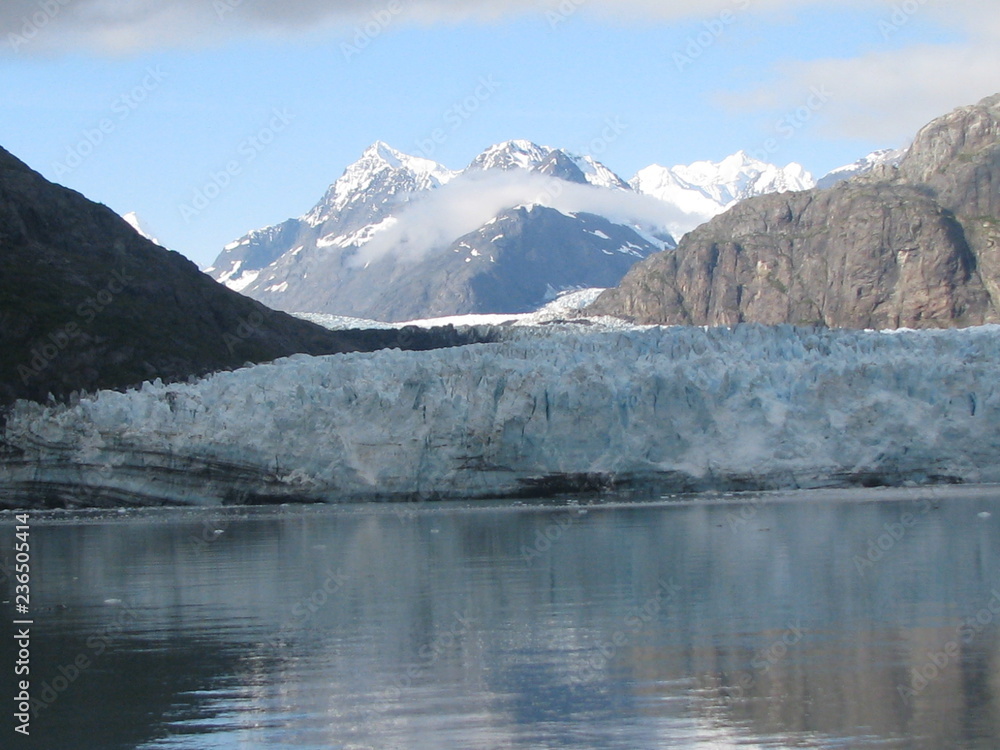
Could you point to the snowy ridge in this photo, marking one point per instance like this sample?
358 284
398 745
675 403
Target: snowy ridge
516 154
684 408
530 157
242 281
598 174
864 165
242 261
705 189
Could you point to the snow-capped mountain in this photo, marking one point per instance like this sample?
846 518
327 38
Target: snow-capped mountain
887 156
399 237
380 245
380 182
705 189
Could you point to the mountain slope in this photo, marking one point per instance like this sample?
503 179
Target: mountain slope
398 238
907 246
87 303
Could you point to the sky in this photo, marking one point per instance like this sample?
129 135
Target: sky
211 118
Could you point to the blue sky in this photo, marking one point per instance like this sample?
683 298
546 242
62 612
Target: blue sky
266 103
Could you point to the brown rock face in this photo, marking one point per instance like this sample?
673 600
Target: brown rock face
913 246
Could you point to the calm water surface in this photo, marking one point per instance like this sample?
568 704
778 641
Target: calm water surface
816 621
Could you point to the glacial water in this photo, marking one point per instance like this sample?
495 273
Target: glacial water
863 619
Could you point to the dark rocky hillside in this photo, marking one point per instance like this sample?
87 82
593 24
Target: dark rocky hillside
86 303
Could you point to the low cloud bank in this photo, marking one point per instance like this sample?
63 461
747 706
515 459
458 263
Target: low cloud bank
468 202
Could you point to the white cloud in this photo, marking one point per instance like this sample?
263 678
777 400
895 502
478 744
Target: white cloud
468 202
887 94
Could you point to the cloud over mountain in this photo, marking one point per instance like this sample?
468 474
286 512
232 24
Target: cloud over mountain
468 202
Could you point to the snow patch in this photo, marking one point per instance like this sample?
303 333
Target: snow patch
245 280
360 238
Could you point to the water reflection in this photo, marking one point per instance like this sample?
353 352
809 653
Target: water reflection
702 625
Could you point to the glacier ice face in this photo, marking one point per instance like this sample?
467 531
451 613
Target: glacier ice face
681 408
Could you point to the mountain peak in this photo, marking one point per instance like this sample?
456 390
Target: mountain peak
515 154
531 157
382 170
380 155
959 134
740 157
733 168
990 102
381 152
520 145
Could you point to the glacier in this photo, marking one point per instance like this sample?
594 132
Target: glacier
550 408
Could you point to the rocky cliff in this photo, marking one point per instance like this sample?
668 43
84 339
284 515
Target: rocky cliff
913 245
